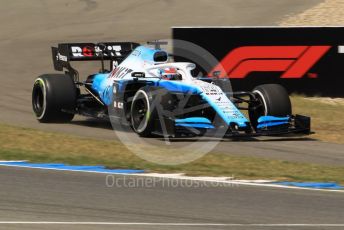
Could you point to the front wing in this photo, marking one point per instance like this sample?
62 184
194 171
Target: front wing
297 125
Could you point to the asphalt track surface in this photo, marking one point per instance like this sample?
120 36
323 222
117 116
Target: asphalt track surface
29 28
42 195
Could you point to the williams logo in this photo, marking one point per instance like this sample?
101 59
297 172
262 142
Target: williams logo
292 61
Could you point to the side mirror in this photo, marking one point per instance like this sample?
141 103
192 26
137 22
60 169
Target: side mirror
138 74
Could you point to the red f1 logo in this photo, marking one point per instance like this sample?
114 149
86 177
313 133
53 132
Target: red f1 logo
293 61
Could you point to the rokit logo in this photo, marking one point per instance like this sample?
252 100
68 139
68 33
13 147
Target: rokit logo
293 61
95 51
120 72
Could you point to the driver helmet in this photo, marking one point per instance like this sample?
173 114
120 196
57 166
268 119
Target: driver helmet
170 74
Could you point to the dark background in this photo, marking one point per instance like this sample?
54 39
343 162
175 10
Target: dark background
329 69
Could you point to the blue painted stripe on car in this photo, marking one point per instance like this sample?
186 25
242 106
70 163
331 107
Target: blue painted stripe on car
193 120
272 118
59 166
268 121
272 123
176 86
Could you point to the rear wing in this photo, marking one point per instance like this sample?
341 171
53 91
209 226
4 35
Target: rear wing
116 52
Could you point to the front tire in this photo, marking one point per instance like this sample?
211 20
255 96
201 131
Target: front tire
144 115
52 96
141 112
272 100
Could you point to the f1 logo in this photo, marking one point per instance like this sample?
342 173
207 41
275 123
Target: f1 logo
293 61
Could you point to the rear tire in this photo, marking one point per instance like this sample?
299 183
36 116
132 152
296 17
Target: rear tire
273 100
52 95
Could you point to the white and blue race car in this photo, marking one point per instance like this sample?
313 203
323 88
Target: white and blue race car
154 96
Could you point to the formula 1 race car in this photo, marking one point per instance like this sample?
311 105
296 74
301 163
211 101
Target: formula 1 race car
154 96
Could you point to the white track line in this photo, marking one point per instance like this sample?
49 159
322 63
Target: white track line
181 177
165 224
230 182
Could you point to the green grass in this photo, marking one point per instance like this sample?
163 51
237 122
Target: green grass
327 118
38 146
